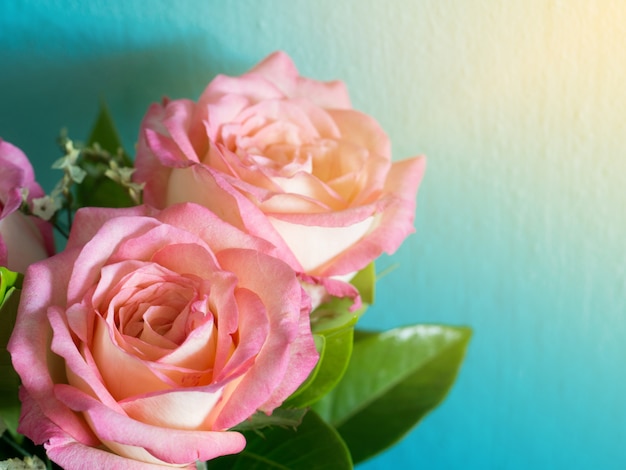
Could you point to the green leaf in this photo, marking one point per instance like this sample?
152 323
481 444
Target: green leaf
100 191
313 445
335 354
333 327
302 400
394 379
9 384
285 417
97 189
105 134
8 281
365 282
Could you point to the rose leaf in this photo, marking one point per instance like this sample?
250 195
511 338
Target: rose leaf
365 282
105 134
335 347
314 445
97 189
9 301
394 379
285 417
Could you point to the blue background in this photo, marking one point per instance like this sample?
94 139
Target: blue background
521 109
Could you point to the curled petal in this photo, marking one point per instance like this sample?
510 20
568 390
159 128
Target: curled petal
278 68
65 450
168 445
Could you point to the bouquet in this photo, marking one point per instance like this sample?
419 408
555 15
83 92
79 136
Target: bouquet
203 312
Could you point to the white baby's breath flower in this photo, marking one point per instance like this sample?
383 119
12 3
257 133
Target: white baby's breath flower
119 174
24 192
29 463
45 207
67 163
122 175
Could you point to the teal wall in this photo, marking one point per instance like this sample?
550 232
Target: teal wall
521 109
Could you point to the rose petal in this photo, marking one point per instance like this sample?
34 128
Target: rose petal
210 226
91 221
168 445
63 448
278 68
17 173
314 246
180 409
253 87
116 366
394 222
252 331
29 344
186 258
302 358
167 132
79 365
23 241
214 112
284 308
362 130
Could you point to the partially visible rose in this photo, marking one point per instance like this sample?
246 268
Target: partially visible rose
285 158
152 335
23 239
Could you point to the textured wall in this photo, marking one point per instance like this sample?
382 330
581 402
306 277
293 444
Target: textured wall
521 108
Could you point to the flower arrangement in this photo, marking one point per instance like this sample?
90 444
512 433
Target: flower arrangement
203 312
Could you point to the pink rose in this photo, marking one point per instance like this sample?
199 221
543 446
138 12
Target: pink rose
152 335
23 239
284 158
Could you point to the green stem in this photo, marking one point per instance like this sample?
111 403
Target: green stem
15 446
69 220
61 230
69 199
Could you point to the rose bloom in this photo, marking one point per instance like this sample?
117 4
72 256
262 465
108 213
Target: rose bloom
285 158
23 239
152 335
